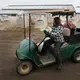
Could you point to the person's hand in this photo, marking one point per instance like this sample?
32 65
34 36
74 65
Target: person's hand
47 33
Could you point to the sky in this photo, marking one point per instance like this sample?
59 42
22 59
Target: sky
4 3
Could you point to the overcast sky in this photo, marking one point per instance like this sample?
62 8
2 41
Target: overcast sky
4 3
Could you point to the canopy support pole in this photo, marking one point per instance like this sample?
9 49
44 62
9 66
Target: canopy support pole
29 31
24 26
67 20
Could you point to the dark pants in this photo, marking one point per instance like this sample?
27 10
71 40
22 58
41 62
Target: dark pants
55 51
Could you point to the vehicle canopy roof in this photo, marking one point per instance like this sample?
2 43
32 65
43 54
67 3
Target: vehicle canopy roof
53 12
54 9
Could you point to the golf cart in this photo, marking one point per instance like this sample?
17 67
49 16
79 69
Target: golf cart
27 51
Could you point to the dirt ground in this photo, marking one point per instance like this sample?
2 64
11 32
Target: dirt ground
8 61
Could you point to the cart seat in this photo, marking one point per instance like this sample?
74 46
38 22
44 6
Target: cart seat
65 44
66 32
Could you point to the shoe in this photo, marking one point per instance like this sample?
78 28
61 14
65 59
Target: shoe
59 67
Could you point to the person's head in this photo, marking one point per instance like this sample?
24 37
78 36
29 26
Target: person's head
57 21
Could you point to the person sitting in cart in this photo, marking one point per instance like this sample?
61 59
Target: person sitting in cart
56 38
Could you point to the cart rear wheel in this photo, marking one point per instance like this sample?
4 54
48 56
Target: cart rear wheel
76 57
24 68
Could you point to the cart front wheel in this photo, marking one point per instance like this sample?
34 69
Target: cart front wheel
76 57
24 68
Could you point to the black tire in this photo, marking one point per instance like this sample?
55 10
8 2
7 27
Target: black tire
76 56
24 68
